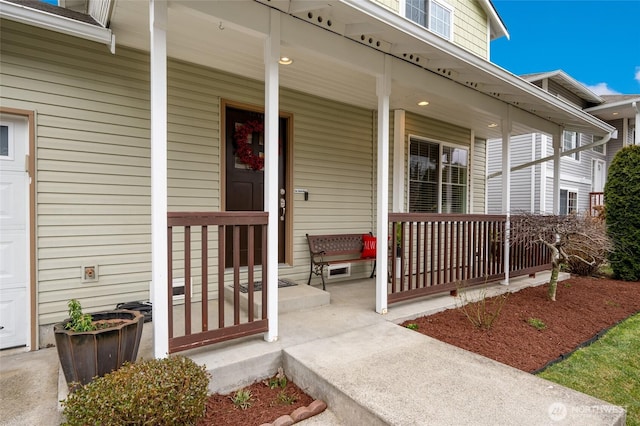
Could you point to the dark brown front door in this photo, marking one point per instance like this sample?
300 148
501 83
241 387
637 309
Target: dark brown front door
245 175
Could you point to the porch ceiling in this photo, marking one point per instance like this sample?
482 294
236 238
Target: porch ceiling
229 35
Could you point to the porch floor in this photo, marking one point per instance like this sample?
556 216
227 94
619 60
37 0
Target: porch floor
369 370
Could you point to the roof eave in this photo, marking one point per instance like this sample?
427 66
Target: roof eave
49 21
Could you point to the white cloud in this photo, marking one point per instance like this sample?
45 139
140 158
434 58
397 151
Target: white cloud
604 89
637 77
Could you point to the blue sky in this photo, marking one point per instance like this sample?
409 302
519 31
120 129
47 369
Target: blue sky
597 42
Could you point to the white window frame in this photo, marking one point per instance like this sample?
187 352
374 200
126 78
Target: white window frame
566 207
604 149
440 182
575 144
449 8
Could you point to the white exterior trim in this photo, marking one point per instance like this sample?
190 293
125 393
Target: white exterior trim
52 22
271 193
532 181
159 244
399 175
383 90
543 174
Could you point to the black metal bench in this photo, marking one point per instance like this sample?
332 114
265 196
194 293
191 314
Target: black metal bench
325 250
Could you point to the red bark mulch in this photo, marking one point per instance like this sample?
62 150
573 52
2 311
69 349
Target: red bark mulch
584 307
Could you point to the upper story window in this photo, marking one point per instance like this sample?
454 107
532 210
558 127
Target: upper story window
571 140
438 177
435 15
600 148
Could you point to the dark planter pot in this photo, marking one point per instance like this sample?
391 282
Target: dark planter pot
85 355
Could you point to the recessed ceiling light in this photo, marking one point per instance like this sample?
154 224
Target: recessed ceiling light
616 113
492 125
423 103
285 60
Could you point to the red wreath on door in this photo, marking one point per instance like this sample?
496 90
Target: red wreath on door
244 150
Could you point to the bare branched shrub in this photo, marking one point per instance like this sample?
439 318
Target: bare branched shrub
572 239
484 311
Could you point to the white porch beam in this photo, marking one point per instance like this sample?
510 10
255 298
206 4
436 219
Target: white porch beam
159 247
383 91
271 190
506 189
399 117
557 152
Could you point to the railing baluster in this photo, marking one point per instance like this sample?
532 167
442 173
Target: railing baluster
187 279
204 261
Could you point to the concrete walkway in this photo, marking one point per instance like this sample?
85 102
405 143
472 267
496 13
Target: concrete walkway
369 370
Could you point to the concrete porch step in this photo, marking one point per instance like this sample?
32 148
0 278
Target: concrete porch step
293 298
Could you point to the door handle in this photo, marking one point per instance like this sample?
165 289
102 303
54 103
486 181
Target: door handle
282 208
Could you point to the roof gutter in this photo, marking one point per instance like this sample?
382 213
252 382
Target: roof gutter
61 24
599 142
398 23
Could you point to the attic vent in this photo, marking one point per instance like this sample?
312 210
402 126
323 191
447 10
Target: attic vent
445 71
472 84
370 40
411 57
496 94
319 19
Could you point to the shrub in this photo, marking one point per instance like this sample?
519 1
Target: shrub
169 391
583 256
483 312
622 198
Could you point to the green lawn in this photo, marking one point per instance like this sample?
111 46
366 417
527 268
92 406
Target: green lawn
609 369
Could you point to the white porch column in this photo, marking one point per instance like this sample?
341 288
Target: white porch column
383 90
557 150
271 195
399 117
506 188
158 76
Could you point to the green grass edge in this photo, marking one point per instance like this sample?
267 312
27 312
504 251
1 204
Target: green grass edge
609 369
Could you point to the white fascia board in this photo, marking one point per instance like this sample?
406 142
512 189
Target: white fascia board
400 24
49 21
494 19
612 105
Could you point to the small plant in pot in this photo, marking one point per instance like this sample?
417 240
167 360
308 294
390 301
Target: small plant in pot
92 345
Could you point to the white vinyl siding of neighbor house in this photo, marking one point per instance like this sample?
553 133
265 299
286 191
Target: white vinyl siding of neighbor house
522 181
93 160
574 175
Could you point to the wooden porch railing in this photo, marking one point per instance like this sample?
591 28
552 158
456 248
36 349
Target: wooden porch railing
596 203
437 253
189 256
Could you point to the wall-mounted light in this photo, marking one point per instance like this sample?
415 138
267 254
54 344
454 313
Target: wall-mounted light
423 103
285 60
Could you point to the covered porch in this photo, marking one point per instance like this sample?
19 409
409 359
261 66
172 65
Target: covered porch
349 53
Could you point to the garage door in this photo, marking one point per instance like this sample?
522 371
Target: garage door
14 250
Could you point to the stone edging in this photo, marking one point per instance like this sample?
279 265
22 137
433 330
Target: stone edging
299 414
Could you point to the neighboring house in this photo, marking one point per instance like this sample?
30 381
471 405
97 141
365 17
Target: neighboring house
582 173
123 125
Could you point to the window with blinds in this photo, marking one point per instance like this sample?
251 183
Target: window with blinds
438 177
